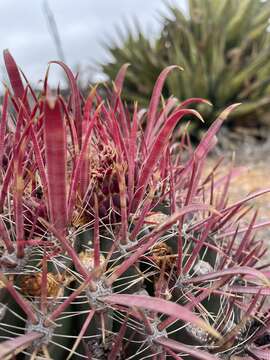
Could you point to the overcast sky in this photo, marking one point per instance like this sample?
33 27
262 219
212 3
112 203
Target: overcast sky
82 25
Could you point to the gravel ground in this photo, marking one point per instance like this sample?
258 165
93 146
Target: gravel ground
253 158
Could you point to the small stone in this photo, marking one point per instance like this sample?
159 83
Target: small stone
87 259
202 268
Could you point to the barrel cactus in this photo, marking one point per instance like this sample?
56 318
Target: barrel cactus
115 244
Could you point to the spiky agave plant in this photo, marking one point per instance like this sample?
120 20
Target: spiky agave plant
114 243
223 47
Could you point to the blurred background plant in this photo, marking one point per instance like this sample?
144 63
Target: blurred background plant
223 46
